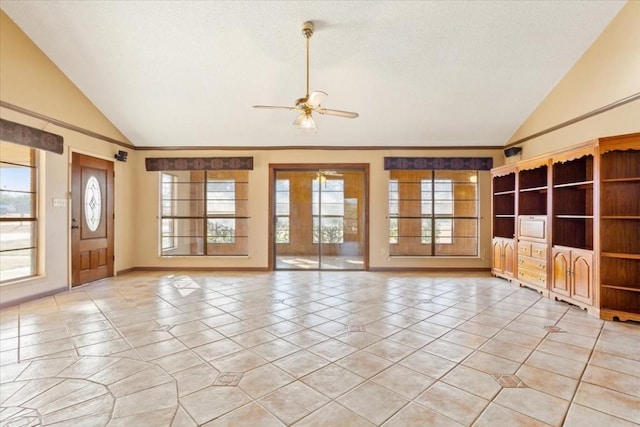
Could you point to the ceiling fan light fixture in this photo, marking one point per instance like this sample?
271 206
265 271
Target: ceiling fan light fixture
307 123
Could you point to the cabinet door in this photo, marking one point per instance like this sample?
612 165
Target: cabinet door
561 269
581 276
497 255
509 252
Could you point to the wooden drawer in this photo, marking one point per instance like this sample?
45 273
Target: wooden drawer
535 278
539 251
524 248
532 227
532 264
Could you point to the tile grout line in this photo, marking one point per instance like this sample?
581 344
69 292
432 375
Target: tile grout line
586 365
593 349
539 298
175 383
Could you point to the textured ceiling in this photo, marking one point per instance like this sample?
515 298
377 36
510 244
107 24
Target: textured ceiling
433 73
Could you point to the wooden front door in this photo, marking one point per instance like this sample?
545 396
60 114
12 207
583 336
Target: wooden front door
91 219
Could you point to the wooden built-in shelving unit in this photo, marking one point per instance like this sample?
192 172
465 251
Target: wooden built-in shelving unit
572 218
503 190
532 233
573 227
620 229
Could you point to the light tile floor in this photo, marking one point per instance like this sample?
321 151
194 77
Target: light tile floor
313 349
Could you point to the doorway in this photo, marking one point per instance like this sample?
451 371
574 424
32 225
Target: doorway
91 219
319 216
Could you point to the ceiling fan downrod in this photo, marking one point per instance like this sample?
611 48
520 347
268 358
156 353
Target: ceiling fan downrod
307 32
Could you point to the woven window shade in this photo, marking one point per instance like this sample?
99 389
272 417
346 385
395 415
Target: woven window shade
31 137
198 163
438 163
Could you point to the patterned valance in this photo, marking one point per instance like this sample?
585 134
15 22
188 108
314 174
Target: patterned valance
31 137
198 163
438 163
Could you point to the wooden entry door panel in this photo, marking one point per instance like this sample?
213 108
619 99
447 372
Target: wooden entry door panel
91 219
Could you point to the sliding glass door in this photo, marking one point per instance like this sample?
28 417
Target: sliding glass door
319 217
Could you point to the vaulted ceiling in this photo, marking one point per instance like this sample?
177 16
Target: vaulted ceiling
419 73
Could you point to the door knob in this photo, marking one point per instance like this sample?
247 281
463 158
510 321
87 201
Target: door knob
74 224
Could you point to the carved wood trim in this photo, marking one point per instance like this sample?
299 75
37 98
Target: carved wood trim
574 155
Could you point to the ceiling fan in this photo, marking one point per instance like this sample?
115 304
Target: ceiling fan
311 102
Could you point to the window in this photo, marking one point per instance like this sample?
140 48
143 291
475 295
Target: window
168 210
282 210
221 209
433 213
328 210
204 213
438 202
18 219
394 211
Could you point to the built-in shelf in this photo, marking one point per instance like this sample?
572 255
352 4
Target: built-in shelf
503 193
623 217
542 189
573 216
619 255
621 288
582 184
630 179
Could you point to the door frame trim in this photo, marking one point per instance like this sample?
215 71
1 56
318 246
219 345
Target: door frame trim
275 167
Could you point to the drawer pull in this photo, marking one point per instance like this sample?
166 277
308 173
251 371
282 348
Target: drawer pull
541 265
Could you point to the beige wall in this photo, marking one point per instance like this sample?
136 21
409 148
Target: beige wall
146 250
608 71
29 80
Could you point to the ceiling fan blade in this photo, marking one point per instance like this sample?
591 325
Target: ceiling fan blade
316 98
274 107
298 119
347 114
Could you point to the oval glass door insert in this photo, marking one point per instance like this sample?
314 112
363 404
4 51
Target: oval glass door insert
92 203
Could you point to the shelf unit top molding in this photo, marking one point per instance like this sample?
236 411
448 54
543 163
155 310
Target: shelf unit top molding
576 154
622 143
504 170
533 163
